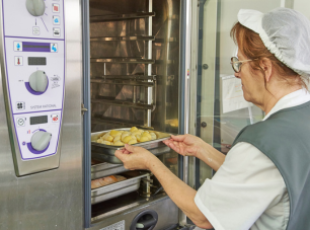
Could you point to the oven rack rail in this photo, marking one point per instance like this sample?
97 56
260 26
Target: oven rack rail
117 17
122 38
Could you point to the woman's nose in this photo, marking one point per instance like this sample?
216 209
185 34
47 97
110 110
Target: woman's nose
237 75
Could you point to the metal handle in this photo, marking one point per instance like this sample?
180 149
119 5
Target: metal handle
146 224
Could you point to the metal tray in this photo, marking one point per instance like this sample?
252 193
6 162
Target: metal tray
117 189
102 156
107 152
110 149
106 169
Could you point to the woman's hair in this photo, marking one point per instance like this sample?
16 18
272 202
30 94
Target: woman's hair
250 44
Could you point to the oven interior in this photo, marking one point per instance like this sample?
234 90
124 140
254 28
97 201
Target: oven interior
134 81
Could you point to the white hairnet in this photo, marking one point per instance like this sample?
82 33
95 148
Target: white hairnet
285 33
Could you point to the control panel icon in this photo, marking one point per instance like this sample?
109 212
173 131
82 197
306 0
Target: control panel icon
20 105
56 32
54 48
18 61
18 46
55 118
56 20
21 121
56 8
36 30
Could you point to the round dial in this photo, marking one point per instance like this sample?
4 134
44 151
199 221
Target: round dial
40 140
35 7
38 81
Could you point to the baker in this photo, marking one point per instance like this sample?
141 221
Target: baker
264 181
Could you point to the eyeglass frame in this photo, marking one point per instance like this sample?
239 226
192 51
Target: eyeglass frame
241 62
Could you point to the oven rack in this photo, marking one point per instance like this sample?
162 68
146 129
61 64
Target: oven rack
114 121
147 80
123 103
121 38
122 60
117 17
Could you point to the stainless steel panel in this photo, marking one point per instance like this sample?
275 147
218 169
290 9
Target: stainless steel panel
21 167
161 205
51 199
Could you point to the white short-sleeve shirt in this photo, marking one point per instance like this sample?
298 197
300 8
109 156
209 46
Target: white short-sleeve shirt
248 191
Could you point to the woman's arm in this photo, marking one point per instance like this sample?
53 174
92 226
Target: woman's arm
189 145
179 192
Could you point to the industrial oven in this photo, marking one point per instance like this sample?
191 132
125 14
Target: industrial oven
73 69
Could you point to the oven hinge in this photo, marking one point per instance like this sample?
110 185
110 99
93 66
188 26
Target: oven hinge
83 109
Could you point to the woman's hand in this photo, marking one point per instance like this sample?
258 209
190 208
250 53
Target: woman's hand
189 145
186 145
135 157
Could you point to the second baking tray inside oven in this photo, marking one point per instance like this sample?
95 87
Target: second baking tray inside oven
102 152
131 184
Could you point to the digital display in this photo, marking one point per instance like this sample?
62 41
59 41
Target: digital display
38 120
36 60
36 47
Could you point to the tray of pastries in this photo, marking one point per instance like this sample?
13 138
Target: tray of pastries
112 186
111 140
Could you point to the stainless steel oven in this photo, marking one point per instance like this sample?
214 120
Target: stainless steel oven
73 68
134 72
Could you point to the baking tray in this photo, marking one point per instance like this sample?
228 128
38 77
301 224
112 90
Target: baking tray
117 189
106 169
102 156
110 149
107 152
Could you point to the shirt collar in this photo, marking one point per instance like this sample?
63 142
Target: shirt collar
295 98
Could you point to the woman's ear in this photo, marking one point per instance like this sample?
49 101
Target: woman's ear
267 67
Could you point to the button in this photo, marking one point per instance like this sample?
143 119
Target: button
55 118
36 30
56 32
20 105
18 61
56 8
54 48
18 46
21 121
56 20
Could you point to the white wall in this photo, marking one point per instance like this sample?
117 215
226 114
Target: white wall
303 6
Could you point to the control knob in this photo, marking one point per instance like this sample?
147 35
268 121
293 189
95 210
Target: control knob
40 140
38 81
35 7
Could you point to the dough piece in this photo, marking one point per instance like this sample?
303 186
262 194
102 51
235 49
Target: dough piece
106 181
124 135
115 133
118 143
106 143
153 136
148 135
95 184
117 138
127 139
133 129
132 142
144 139
107 138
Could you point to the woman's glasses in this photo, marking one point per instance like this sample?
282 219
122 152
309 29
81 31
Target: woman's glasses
236 64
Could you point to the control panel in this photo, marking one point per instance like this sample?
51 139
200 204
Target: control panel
34 72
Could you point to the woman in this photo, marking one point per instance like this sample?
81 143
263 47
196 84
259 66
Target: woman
264 181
